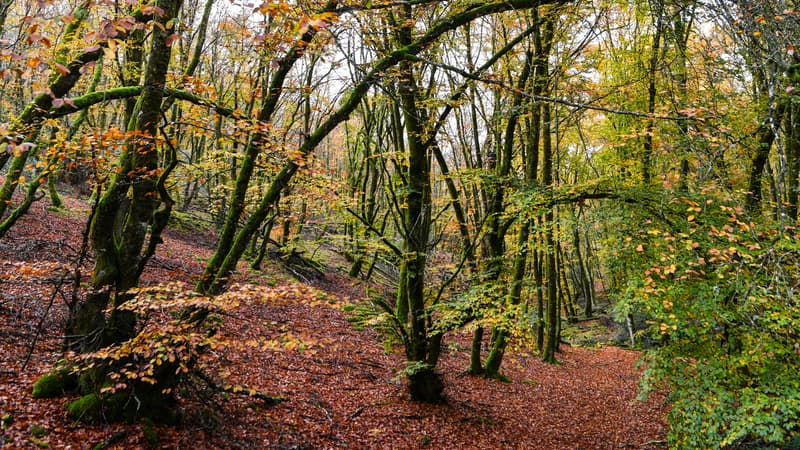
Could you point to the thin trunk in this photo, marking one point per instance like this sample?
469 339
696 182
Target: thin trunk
497 228
538 276
569 303
652 71
5 6
682 26
792 131
551 313
584 274
765 136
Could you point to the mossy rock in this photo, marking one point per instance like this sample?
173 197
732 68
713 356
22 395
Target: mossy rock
54 384
87 408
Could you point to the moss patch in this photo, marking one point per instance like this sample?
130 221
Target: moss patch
39 431
86 408
54 384
150 433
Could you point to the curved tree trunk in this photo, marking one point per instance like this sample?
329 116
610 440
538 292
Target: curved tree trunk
124 213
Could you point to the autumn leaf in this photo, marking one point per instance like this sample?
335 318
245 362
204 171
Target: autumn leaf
62 69
170 40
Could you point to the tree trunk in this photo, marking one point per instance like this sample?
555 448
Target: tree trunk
551 313
538 278
423 383
495 357
647 146
124 213
764 139
584 274
792 130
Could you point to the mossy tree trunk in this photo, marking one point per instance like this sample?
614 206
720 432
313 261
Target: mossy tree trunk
548 224
497 229
584 273
128 210
792 130
125 230
652 72
5 5
421 349
536 68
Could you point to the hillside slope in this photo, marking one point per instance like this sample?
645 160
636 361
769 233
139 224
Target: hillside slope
338 384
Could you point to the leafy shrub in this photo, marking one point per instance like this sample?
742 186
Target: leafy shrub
721 295
140 377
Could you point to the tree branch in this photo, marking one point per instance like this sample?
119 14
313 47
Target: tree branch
542 98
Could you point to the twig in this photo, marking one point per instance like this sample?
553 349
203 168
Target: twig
654 442
268 399
114 438
40 325
318 404
358 412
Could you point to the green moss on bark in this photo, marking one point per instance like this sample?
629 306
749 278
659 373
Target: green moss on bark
54 384
87 408
145 404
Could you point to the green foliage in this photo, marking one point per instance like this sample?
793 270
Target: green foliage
483 304
38 434
40 443
377 314
720 292
413 368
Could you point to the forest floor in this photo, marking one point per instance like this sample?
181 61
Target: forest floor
338 384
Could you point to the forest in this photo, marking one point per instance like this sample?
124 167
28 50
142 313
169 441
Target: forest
310 224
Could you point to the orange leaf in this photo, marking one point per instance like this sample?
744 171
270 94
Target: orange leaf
62 68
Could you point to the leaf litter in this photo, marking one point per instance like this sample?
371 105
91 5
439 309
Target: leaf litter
339 387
